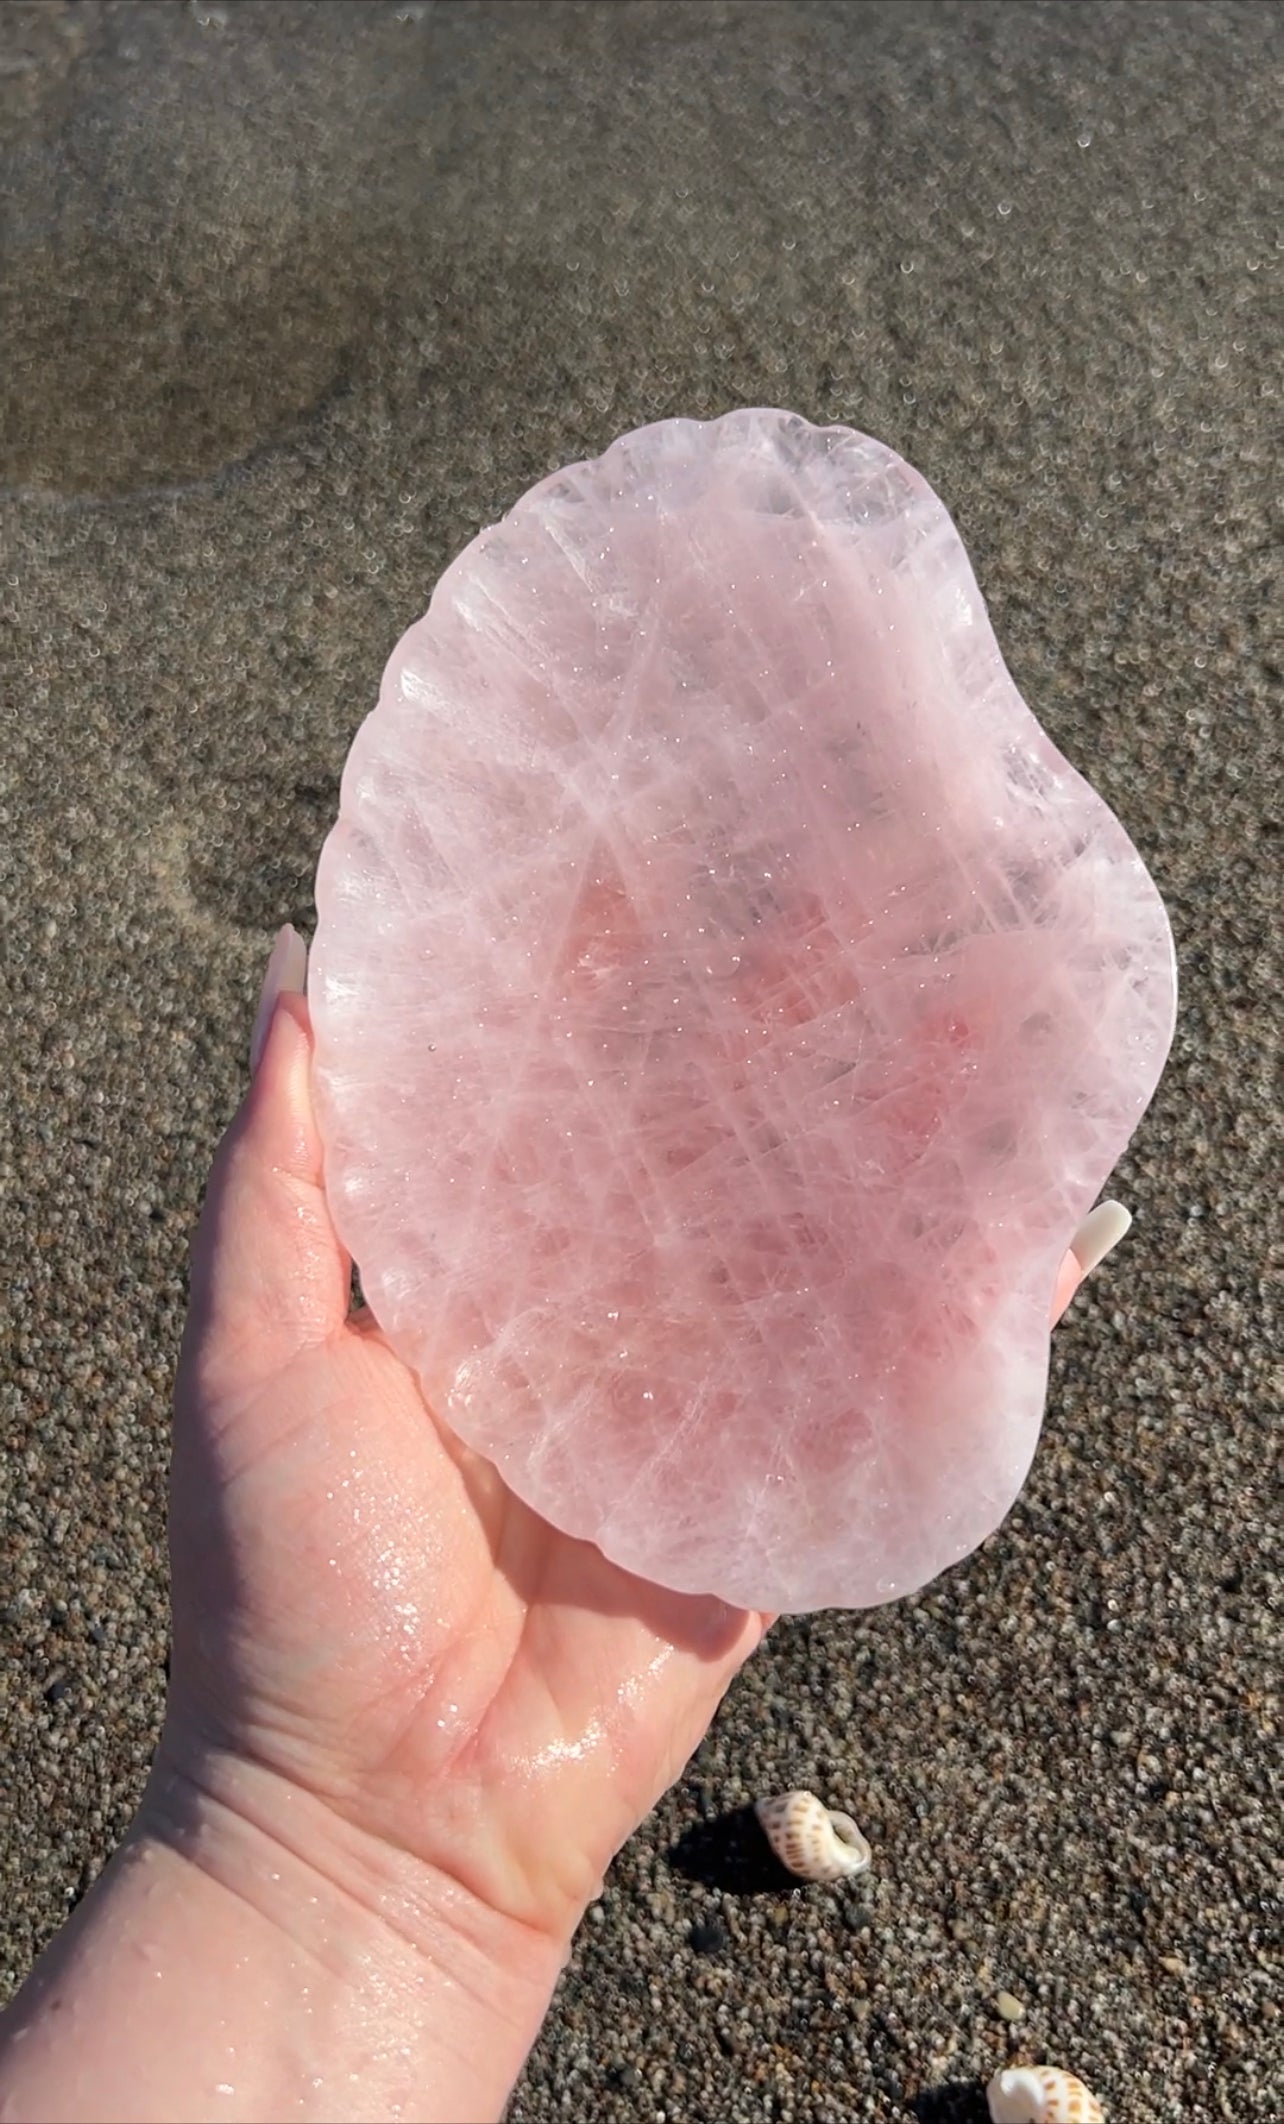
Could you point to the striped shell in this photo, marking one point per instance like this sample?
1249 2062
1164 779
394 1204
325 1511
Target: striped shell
809 1840
1041 2094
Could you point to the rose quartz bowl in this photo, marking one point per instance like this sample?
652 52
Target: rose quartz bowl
728 1002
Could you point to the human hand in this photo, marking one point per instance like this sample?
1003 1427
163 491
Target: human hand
409 1723
361 1607
362 1610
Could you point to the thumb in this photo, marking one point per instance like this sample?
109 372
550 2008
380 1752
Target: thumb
1097 1236
269 1275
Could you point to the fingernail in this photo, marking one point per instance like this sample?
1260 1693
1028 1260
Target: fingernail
1099 1234
287 973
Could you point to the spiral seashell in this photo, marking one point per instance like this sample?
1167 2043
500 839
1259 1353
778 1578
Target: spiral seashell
810 1840
1041 2094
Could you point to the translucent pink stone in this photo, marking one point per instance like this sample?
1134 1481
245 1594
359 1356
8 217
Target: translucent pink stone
728 1002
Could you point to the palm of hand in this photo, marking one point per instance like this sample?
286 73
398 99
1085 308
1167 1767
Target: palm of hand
361 1606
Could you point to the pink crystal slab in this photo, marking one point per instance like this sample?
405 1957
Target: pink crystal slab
728 1002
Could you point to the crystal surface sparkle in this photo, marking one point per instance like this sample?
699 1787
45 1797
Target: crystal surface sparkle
727 1003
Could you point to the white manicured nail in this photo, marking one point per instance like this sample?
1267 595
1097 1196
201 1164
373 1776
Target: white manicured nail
287 973
1099 1234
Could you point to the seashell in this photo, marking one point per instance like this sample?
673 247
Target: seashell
809 1839
1041 2094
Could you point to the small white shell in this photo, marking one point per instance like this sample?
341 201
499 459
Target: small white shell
809 1840
1041 2094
